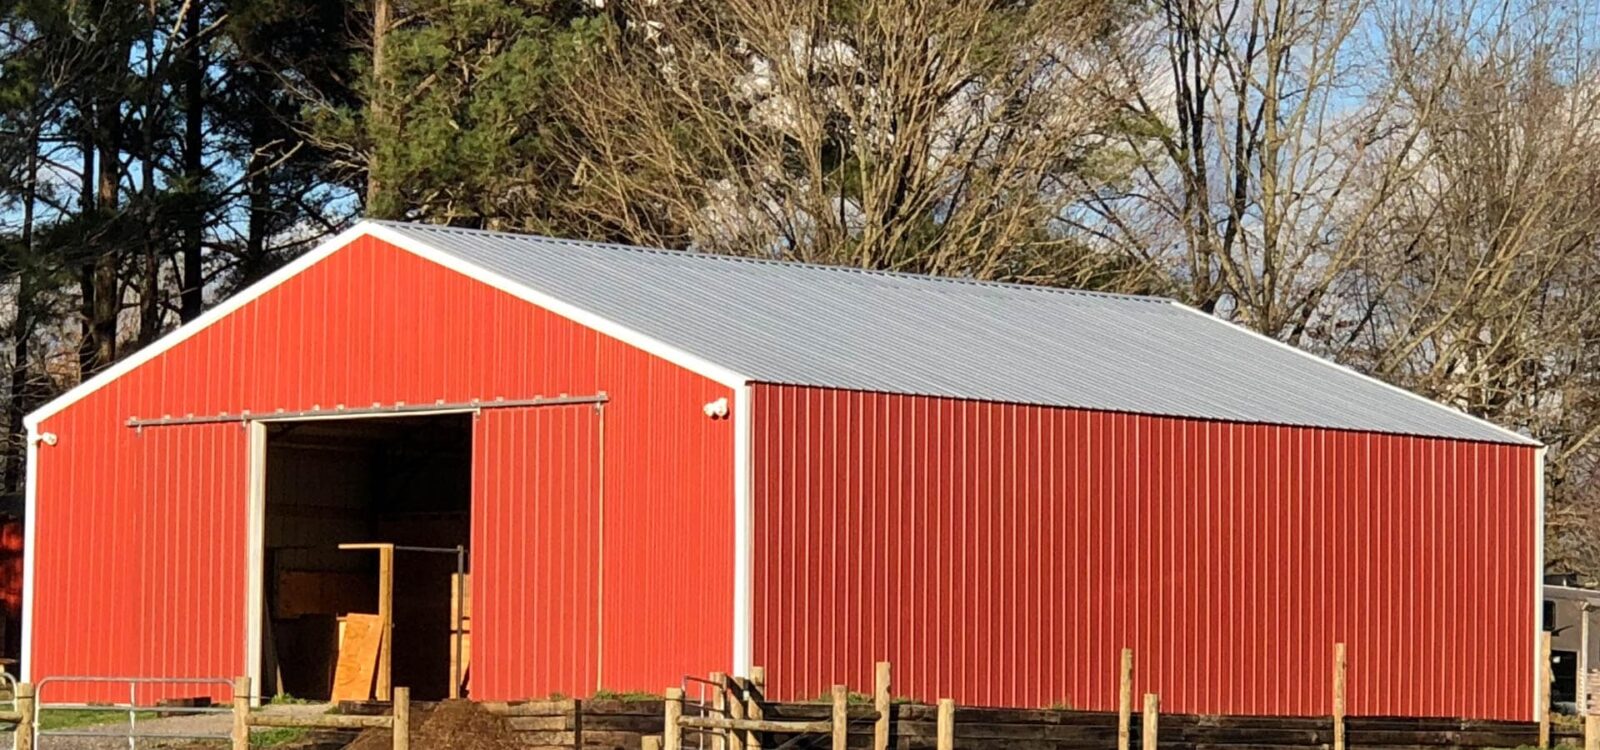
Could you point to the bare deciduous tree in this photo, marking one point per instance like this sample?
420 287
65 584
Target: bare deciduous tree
1478 282
942 137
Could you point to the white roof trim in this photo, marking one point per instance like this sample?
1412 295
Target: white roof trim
1514 436
228 306
573 313
127 364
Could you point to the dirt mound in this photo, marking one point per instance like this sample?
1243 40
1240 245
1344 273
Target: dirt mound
451 725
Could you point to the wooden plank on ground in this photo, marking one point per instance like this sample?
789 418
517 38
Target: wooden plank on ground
359 649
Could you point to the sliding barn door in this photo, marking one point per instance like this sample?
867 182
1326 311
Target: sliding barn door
536 552
186 556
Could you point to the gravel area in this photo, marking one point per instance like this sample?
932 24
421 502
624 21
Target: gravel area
194 724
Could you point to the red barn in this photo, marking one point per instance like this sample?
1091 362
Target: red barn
668 463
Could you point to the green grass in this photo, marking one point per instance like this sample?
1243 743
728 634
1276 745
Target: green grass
57 718
276 736
854 699
628 695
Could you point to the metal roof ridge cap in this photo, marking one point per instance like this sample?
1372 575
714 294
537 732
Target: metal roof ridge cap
1515 437
752 260
582 316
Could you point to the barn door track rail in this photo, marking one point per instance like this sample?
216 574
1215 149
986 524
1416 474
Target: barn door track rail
376 410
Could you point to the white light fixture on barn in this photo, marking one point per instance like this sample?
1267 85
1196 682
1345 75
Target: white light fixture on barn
48 438
716 409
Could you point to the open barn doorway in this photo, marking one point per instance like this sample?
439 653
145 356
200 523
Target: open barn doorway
335 491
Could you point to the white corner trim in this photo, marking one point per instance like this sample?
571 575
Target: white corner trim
743 533
293 268
30 505
187 330
255 504
571 312
1511 435
1538 576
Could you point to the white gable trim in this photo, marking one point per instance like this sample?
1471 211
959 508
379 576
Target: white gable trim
294 268
585 318
1512 436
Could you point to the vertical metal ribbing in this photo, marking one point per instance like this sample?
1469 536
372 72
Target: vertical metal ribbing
1229 556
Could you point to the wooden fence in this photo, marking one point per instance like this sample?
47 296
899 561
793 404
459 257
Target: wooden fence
735 716
397 721
626 725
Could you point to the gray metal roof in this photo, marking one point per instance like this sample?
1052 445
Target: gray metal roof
793 323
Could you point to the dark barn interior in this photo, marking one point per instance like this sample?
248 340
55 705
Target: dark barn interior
396 480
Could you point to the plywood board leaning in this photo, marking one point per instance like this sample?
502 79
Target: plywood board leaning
359 649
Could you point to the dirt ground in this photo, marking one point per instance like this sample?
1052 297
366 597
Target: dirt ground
452 725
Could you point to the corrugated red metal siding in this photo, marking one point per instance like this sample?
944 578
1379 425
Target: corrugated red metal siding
536 473
140 566
1004 554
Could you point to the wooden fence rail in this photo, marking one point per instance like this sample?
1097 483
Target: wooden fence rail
398 722
741 719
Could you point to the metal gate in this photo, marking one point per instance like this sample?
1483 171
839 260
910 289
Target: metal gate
131 729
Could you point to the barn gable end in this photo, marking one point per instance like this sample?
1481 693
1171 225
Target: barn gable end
142 532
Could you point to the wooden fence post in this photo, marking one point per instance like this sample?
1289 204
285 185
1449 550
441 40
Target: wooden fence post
241 713
1125 700
719 708
752 708
841 717
1148 740
947 724
25 709
881 701
738 688
1338 695
671 733
1591 732
402 718
1544 689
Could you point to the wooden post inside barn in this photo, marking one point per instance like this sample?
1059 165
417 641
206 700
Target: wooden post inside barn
385 675
1338 695
1125 700
884 705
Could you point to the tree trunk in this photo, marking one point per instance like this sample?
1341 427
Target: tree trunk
258 186
150 302
22 334
103 304
85 270
193 297
376 109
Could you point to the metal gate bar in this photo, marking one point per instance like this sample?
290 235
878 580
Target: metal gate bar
131 731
